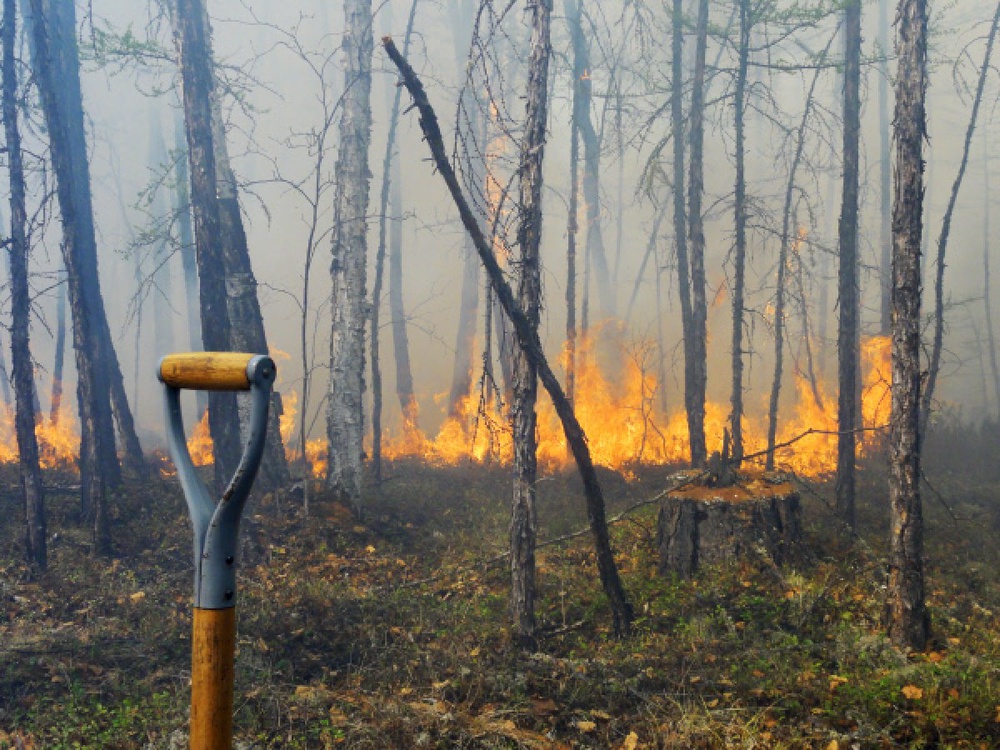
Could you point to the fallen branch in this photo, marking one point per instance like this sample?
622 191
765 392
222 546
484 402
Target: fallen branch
530 344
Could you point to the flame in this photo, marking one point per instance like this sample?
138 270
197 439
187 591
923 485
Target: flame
58 439
199 445
626 429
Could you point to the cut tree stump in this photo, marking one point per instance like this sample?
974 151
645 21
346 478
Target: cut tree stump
704 525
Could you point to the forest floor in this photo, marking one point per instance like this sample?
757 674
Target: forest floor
393 633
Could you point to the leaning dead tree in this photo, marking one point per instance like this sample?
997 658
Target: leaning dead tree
934 366
531 345
908 621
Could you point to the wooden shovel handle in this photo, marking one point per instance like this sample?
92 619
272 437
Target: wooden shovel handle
213 644
206 371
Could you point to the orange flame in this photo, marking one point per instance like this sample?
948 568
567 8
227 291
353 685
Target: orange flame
626 429
58 440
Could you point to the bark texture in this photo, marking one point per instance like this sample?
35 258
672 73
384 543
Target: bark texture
696 371
25 415
345 424
56 67
692 532
740 247
246 322
849 322
907 618
197 79
528 341
524 516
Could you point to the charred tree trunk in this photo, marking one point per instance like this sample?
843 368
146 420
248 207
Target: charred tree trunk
530 344
907 617
696 372
934 366
783 262
345 424
391 189
197 79
187 249
246 332
524 516
20 302
740 249
56 65
847 285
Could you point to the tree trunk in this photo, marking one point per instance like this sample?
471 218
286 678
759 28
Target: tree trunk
907 618
573 219
197 79
246 332
475 129
847 285
524 517
186 244
21 362
934 366
55 395
529 343
391 195
695 393
695 426
57 73
740 249
783 262
582 95
885 177
345 424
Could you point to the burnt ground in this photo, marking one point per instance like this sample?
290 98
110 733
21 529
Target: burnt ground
393 632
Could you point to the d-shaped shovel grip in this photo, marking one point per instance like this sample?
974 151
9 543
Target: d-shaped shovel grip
216 525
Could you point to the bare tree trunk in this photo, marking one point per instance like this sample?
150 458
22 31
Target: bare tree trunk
524 516
198 80
849 294
591 160
907 617
246 333
476 128
885 178
696 381
391 187
185 240
20 303
572 229
529 343
779 302
934 366
695 426
56 66
345 423
55 395
740 249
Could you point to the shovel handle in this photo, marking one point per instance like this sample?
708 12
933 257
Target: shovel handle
207 371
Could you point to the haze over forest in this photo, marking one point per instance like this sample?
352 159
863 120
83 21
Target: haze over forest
278 59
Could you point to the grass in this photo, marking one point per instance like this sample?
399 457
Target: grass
394 632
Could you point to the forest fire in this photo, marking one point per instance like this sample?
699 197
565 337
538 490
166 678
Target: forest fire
626 428
58 440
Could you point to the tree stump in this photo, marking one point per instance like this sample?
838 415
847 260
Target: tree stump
704 525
